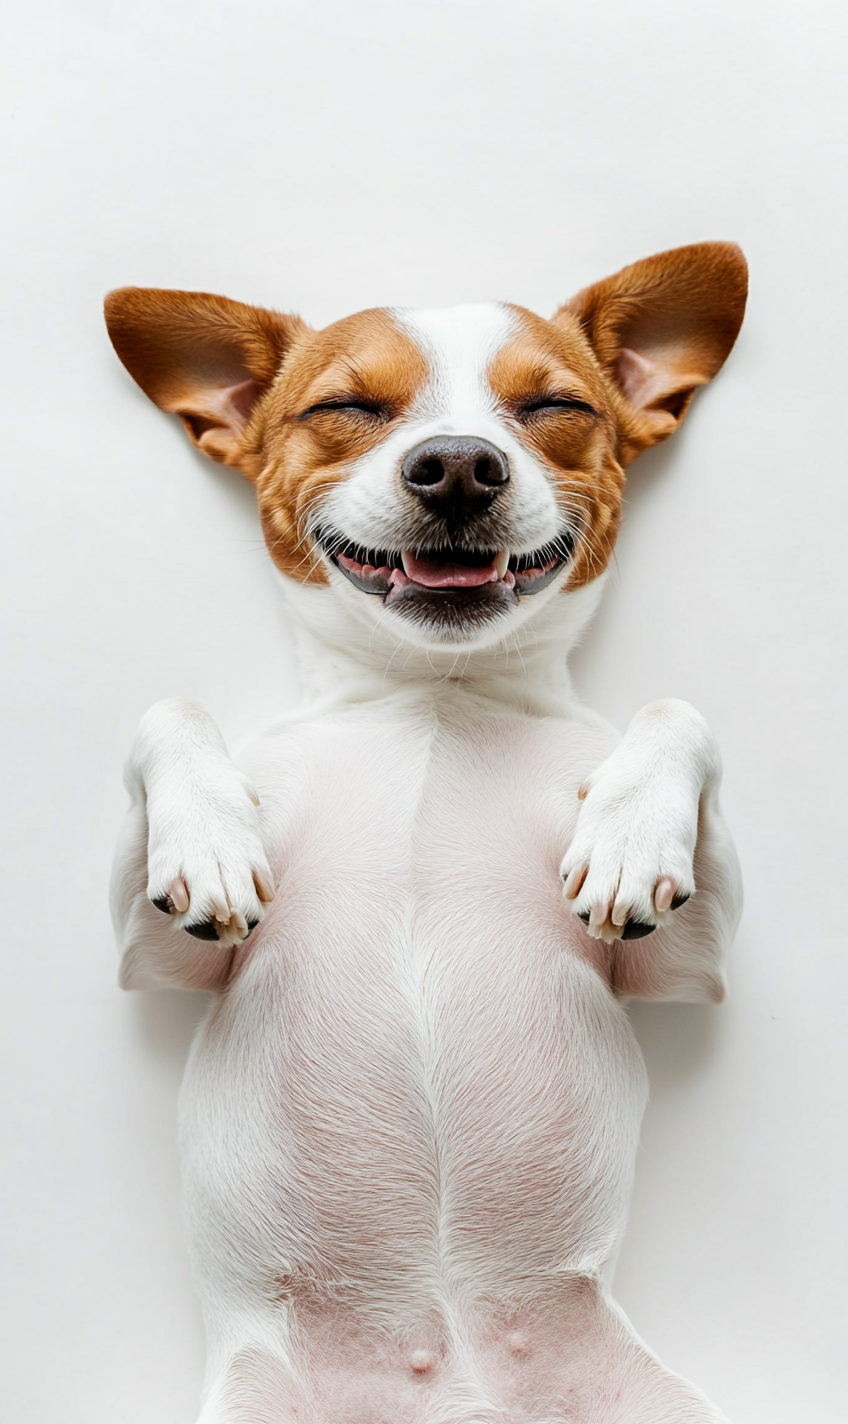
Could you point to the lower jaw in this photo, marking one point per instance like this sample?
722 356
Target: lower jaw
452 610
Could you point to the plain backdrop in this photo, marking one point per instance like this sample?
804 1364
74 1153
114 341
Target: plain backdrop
323 157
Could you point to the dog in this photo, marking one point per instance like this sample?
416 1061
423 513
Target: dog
410 1118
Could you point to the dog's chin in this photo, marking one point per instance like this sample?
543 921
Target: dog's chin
452 615
448 596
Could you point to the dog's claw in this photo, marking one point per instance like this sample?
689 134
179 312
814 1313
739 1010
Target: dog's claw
178 894
210 930
631 929
175 898
612 921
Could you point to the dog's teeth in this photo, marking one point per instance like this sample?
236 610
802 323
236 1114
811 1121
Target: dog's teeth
404 558
501 562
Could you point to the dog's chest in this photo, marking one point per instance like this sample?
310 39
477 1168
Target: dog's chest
418 1047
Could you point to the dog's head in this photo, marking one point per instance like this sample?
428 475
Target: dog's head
448 471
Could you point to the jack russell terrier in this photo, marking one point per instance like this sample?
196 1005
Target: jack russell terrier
409 1121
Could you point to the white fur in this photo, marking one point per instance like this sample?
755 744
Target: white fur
409 1122
459 343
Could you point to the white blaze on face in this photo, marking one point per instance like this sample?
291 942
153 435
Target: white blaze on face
459 343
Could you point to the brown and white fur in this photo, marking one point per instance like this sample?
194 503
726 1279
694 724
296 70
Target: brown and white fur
410 1118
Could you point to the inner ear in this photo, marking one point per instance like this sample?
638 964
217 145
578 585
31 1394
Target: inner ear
218 426
660 329
678 403
657 382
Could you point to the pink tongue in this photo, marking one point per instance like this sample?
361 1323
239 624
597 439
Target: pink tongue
432 573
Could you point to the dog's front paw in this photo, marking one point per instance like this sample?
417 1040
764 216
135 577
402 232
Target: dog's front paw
207 867
629 865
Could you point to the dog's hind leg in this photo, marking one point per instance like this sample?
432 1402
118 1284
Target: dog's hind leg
637 1388
255 1387
575 1359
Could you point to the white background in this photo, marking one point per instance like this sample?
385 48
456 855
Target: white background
328 156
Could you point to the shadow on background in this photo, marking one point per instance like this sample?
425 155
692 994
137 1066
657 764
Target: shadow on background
677 1041
165 1021
644 481
237 489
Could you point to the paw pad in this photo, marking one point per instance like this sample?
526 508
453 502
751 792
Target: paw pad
631 929
211 929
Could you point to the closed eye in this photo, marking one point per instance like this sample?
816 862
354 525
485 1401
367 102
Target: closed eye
357 405
539 404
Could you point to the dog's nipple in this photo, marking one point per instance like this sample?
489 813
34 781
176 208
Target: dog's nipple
517 1342
421 1361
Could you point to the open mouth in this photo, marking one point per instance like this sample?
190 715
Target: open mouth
470 576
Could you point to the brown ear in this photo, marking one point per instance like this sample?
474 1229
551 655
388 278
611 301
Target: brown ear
205 358
660 329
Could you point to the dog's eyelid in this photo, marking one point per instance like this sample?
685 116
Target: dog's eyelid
361 404
555 400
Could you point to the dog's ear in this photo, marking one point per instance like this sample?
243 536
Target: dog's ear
205 358
660 329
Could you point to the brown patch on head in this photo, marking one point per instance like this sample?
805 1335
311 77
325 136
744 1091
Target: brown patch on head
293 409
341 397
633 349
574 434
289 407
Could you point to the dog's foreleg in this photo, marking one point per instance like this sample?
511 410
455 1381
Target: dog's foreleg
651 852
190 878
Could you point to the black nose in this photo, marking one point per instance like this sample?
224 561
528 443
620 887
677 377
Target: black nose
455 476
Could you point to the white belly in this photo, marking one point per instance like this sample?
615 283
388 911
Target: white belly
418 1073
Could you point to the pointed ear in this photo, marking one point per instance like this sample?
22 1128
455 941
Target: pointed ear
660 329
205 358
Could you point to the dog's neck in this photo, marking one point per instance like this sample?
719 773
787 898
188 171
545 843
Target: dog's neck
344 661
